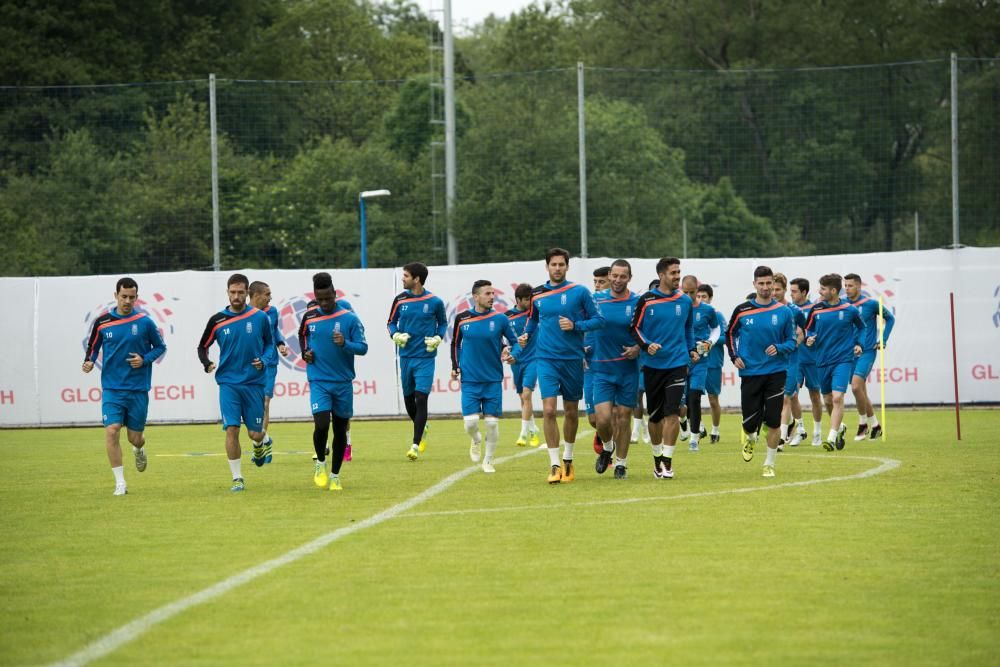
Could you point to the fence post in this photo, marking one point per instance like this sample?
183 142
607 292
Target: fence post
450 169
216 264
582 133
954 151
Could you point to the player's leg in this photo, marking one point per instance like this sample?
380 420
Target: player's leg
859 386
492 405
342 402
697 379
252 411
230 405
321 402
270 375
752 410
836 379
603 394
673 398
517 374
713 387
774 397
682 414
471 407
137 409
570 387
656 385
624 404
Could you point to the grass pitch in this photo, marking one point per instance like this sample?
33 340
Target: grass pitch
717 566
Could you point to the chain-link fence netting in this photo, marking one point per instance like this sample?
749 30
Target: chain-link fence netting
116 179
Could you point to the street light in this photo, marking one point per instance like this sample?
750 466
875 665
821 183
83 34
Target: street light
367 194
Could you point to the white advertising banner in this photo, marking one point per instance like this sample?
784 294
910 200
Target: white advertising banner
48 321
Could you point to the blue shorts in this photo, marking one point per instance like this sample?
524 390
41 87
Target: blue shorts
792 379
122 406
417 374
588 391
713 381
698 377
524 375
484 397
335 397
808 376
242 401
835 377
270 373
863 364
560 377
618 389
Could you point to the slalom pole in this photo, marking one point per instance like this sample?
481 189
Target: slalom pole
954 365
881 361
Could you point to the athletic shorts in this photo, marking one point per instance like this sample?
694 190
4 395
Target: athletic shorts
713 381
270 373
416 374
588 391
664 391
242 402
809 376
792 379
617 389
524 374
863 364
761 399
560 377
335 397
123 406
835 377
484 397
698 377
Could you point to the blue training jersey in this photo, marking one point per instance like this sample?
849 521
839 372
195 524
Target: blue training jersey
119 336
332 362
754 327
799 321
271 353
518 320
869 308
717 355
242 337
706 320
477 342
807 354
666 319
550 302
420 316
838 328
609 343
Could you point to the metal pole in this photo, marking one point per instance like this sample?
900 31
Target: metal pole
364 233
954 151
684 234
582 133
216 264
916 230
449 132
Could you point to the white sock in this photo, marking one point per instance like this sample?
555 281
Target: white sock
609 446
784 431
492 436
348 437
472 427
818 428
769 459
715 430
636 423
620 462
525 426
872 421
554 456
119 474
567 450
694 439
264 439
531 422
862 420
752 437
234 467
832 437
657 450
668 451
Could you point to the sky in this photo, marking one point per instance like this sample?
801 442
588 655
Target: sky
466 13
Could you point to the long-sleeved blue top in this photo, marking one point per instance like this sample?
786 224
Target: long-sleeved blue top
119 336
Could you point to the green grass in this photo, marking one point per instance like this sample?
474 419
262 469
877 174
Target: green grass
899 568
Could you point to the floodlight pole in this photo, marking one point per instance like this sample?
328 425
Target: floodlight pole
367 194
955 237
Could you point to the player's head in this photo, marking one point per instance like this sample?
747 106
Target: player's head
557 264
619 275
236 289
705 292
829 287
799 290
126 293
414 275
326 296
260 294
601 281
763 282
522 295
482 294
669 271
852 286
689 285
780 286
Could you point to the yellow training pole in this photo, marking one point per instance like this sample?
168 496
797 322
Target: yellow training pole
881 360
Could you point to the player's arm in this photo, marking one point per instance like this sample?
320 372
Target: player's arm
889 322
811 331
392 324
635 327
456 344
207 338
532 323
307 354
859 327
593 317
442 318
157 348
733 333
787 344
355 341
689 333
93 346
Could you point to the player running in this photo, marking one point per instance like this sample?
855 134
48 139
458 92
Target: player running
791 410
716 358
868 425
808 374
260 298
523 371
601 283
707 329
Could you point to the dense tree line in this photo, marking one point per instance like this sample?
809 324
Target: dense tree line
740 122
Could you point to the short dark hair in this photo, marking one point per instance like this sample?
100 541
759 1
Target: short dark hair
256 287
762 272
665 263
602 272
417 270
479 284
832 280
322 280
853 276
802 284
523 291
236 279
127 283
555 252
622 262
653 284
707 289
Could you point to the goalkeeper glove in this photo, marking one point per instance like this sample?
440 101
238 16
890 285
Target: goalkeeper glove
400 338
432 342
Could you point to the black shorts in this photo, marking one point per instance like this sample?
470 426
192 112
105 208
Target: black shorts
664 390
761 397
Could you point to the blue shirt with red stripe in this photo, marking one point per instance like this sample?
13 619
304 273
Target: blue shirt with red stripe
518 321
242 337
119 336
666 319
754 327
420 316
332 362
477 342
869 309
838 328
550 302
610 342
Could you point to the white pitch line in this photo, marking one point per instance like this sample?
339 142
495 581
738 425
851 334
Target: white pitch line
886 466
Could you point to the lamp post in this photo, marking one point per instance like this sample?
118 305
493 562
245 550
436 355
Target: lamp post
367 194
